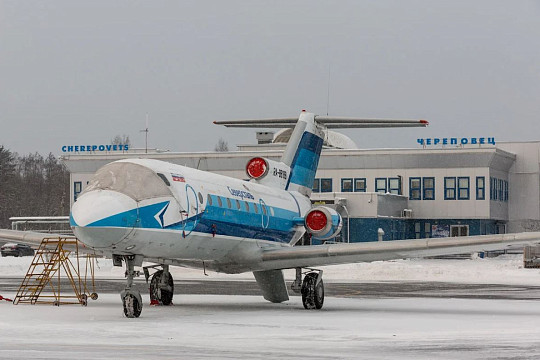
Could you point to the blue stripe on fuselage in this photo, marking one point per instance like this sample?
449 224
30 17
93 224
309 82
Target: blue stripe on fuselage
214 220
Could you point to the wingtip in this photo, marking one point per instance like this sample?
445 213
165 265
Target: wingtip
425 122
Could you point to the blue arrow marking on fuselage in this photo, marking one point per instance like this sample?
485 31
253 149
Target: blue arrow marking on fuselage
161 214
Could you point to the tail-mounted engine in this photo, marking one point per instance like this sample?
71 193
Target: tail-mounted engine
323 223
268 172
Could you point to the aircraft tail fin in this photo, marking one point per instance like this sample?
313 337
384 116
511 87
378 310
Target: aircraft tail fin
305 144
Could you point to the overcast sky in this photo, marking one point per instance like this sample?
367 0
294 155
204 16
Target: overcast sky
81 72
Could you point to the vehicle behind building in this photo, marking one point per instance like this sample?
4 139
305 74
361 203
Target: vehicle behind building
16 250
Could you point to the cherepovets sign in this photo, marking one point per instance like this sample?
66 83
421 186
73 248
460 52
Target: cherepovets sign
456 141
94 148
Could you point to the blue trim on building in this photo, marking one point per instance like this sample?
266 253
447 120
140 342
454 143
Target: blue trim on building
366 229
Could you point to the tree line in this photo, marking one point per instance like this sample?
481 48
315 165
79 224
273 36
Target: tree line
32 185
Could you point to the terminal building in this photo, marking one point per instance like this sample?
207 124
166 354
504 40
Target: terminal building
431 191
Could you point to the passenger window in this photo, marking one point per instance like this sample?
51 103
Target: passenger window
238 204
229 203
220 203
247 205
209 200
256 207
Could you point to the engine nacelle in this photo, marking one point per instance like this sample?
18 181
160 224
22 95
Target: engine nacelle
266 171
323 223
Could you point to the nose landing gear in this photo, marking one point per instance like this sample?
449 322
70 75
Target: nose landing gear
311 288
131 298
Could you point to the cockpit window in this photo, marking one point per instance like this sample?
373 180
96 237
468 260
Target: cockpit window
134 180
165 180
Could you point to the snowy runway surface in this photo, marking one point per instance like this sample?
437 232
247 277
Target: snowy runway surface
210 326
367 326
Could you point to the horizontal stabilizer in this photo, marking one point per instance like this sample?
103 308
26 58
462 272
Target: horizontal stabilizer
330 122
260 123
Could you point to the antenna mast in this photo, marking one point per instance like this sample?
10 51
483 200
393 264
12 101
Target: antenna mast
328 92
146 136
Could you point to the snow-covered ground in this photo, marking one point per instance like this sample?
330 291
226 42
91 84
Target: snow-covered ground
233 327
208 327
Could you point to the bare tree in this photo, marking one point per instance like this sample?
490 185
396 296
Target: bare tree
221 146
121 140
32 186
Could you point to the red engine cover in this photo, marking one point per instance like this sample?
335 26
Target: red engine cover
256 168
316 220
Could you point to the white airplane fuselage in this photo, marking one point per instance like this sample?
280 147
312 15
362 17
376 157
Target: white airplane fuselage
161 210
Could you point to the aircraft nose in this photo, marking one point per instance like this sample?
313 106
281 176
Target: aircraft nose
103 218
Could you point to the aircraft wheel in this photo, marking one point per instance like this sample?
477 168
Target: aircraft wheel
132 305
312 293
163 296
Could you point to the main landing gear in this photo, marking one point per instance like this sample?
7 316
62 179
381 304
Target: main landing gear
312 288
161 285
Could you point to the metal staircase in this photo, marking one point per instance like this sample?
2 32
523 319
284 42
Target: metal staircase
56 263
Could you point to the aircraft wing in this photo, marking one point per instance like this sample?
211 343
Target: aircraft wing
35 238
331 254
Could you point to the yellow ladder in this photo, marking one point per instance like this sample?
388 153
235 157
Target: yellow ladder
56 260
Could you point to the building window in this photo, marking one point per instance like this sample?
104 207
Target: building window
463 188
380 185
494 183
449 188
429 188
394 185
459 230
506 191
427 230
316 185
360 185
501 190
326 185
415 188
480 188
347 185
77 189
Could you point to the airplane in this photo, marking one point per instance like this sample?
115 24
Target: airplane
137 210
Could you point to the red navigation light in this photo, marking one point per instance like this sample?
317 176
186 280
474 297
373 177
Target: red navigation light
425 122
316 220
256 168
